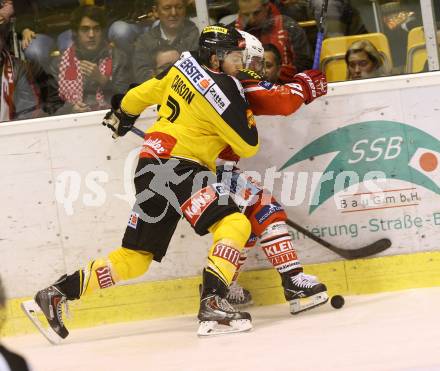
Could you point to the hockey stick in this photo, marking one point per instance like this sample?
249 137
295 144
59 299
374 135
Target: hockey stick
320 35
138 132
361 252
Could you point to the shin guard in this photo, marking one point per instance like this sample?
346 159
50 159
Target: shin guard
277 245
122 264
230 236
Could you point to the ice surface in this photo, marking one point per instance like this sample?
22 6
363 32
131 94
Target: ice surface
390 331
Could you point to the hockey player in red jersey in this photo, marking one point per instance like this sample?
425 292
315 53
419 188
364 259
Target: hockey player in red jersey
267 216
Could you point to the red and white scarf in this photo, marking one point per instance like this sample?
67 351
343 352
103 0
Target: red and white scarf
7 107
71 80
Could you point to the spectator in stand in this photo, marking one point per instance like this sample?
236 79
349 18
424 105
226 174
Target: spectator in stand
6 11
9 361
128 20
172 29
400 17
27 91
364 61
40 23
262 19
272 63
165 57
90 71
218 9
342 18
298 10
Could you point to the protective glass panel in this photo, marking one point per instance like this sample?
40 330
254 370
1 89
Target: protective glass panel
362 39
72 56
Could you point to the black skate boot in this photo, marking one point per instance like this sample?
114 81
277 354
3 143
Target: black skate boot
303 291
216 315
238 296
49 301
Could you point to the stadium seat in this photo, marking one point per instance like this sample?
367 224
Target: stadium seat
416 51
334 48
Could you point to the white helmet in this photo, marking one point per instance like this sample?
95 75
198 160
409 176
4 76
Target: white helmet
254 53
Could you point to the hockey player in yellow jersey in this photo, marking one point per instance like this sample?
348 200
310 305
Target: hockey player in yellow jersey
201 113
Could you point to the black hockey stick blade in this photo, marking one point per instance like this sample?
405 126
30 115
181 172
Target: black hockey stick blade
349 254
364 251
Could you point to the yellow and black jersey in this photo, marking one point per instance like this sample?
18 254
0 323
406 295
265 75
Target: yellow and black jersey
201 113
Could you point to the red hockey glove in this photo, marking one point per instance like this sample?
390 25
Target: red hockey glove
314 84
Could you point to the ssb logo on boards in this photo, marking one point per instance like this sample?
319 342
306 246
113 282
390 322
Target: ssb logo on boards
396 150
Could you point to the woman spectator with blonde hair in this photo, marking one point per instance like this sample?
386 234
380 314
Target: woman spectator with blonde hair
364 61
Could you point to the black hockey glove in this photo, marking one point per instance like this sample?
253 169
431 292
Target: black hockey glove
117 120
116 101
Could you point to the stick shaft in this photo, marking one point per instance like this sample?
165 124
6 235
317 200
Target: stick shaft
316 58
137 131
320 35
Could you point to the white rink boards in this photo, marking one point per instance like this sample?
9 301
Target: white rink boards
389 331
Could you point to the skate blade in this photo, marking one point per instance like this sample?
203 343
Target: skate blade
303 304
213 328
31 309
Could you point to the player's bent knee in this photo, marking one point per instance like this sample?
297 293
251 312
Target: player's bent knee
262 215
235 227
128 264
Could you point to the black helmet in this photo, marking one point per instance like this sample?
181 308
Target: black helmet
219 39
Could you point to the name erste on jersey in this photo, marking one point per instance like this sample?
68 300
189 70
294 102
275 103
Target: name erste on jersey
201 81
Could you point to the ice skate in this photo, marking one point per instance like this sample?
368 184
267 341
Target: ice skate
238 296
48 301
303 291
217 316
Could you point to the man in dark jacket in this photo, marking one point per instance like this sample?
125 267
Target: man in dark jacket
27 91
263 19
342 18
43 26
173 29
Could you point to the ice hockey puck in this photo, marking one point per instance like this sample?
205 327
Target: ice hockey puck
337 301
